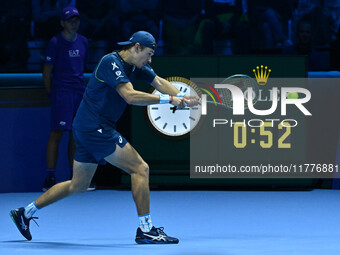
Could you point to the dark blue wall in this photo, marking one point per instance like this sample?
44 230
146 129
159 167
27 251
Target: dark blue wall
23 138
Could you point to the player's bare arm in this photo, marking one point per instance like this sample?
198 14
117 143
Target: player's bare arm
135 97
166 87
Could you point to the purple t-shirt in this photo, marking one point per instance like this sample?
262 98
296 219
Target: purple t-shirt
68 59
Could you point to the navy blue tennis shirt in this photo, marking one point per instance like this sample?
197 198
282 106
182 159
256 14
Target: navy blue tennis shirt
102 105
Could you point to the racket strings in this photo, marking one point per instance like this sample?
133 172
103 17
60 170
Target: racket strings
239 80
225 96
243 82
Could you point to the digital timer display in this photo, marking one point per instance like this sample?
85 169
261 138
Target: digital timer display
267 140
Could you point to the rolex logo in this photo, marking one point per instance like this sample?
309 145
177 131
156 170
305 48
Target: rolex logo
261 74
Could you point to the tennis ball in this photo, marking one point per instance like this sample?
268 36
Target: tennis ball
292 95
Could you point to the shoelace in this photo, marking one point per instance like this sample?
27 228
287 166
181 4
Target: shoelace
33 218
160 231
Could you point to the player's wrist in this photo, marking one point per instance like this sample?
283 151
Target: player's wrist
164 99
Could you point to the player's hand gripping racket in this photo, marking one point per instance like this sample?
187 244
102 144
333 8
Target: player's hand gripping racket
186 86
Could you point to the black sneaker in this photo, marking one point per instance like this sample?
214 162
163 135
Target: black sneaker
21 222
154 236
49 182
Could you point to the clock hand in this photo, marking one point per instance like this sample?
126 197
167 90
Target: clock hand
174 109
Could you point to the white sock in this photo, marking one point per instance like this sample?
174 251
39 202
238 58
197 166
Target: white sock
145 223
30 210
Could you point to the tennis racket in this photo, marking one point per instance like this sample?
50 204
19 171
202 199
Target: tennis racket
223 96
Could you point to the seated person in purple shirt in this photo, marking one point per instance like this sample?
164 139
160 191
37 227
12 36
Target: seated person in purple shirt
64 81
108 92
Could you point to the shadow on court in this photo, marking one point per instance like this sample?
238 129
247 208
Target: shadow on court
63 245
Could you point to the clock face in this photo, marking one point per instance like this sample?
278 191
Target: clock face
171 121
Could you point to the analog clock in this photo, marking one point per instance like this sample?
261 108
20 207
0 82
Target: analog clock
170 120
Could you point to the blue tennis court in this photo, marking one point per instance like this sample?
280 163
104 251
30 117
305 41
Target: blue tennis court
206 222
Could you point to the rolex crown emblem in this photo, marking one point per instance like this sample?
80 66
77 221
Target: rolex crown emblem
262 74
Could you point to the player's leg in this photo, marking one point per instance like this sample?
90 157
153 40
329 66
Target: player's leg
82 176
128 159
71 153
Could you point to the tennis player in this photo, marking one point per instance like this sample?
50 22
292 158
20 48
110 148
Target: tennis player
108 92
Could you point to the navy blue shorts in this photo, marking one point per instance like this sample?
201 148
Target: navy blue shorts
64 106
94 146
